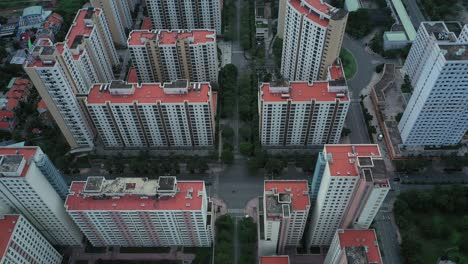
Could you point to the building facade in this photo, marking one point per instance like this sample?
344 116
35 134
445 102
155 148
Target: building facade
51 77
175 114
174 14
64 72
274 259
350 188
119 15
142 212
21 243
312 36
303 114
28 191
354 246
162 56
283 219
437 65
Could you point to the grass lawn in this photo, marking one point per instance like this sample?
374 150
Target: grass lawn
349 63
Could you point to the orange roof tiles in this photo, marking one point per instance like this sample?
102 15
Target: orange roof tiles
302 92
148 93
299 189
367 238
77 202
310 15
7 225
26 152
341 163
274 260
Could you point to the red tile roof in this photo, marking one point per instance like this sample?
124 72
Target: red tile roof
7 225
367 238
132 75
296 4
299 189
146 24
5 125
11 104
148 93
6 114
342 163
274 260
302 92
28 153
41 105
77 202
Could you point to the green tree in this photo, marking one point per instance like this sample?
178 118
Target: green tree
227 156
359 23
228 132
246 148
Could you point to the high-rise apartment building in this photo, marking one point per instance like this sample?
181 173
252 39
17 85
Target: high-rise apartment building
274 260
354 246
153 115
302 113
51 77
142 212
312 36
64 72
349 185
25 188
283 213
437 65
21 243
119 16
162 55
175 14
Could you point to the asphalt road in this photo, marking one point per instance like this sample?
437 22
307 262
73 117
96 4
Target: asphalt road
355 122
366 63
415 14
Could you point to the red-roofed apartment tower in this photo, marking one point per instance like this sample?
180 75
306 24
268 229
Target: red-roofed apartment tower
142 212
283 213
304 114
312 33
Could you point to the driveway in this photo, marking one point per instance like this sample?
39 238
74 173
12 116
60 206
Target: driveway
366 63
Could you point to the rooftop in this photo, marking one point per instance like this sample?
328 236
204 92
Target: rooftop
148 93
314 16
170 37
164 193
361 246
454 52
7 225
274 260
344 160
146 24
287 192
82 27
132 76
301 92
11 159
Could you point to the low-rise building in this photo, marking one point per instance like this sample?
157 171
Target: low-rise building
176 114
303 114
